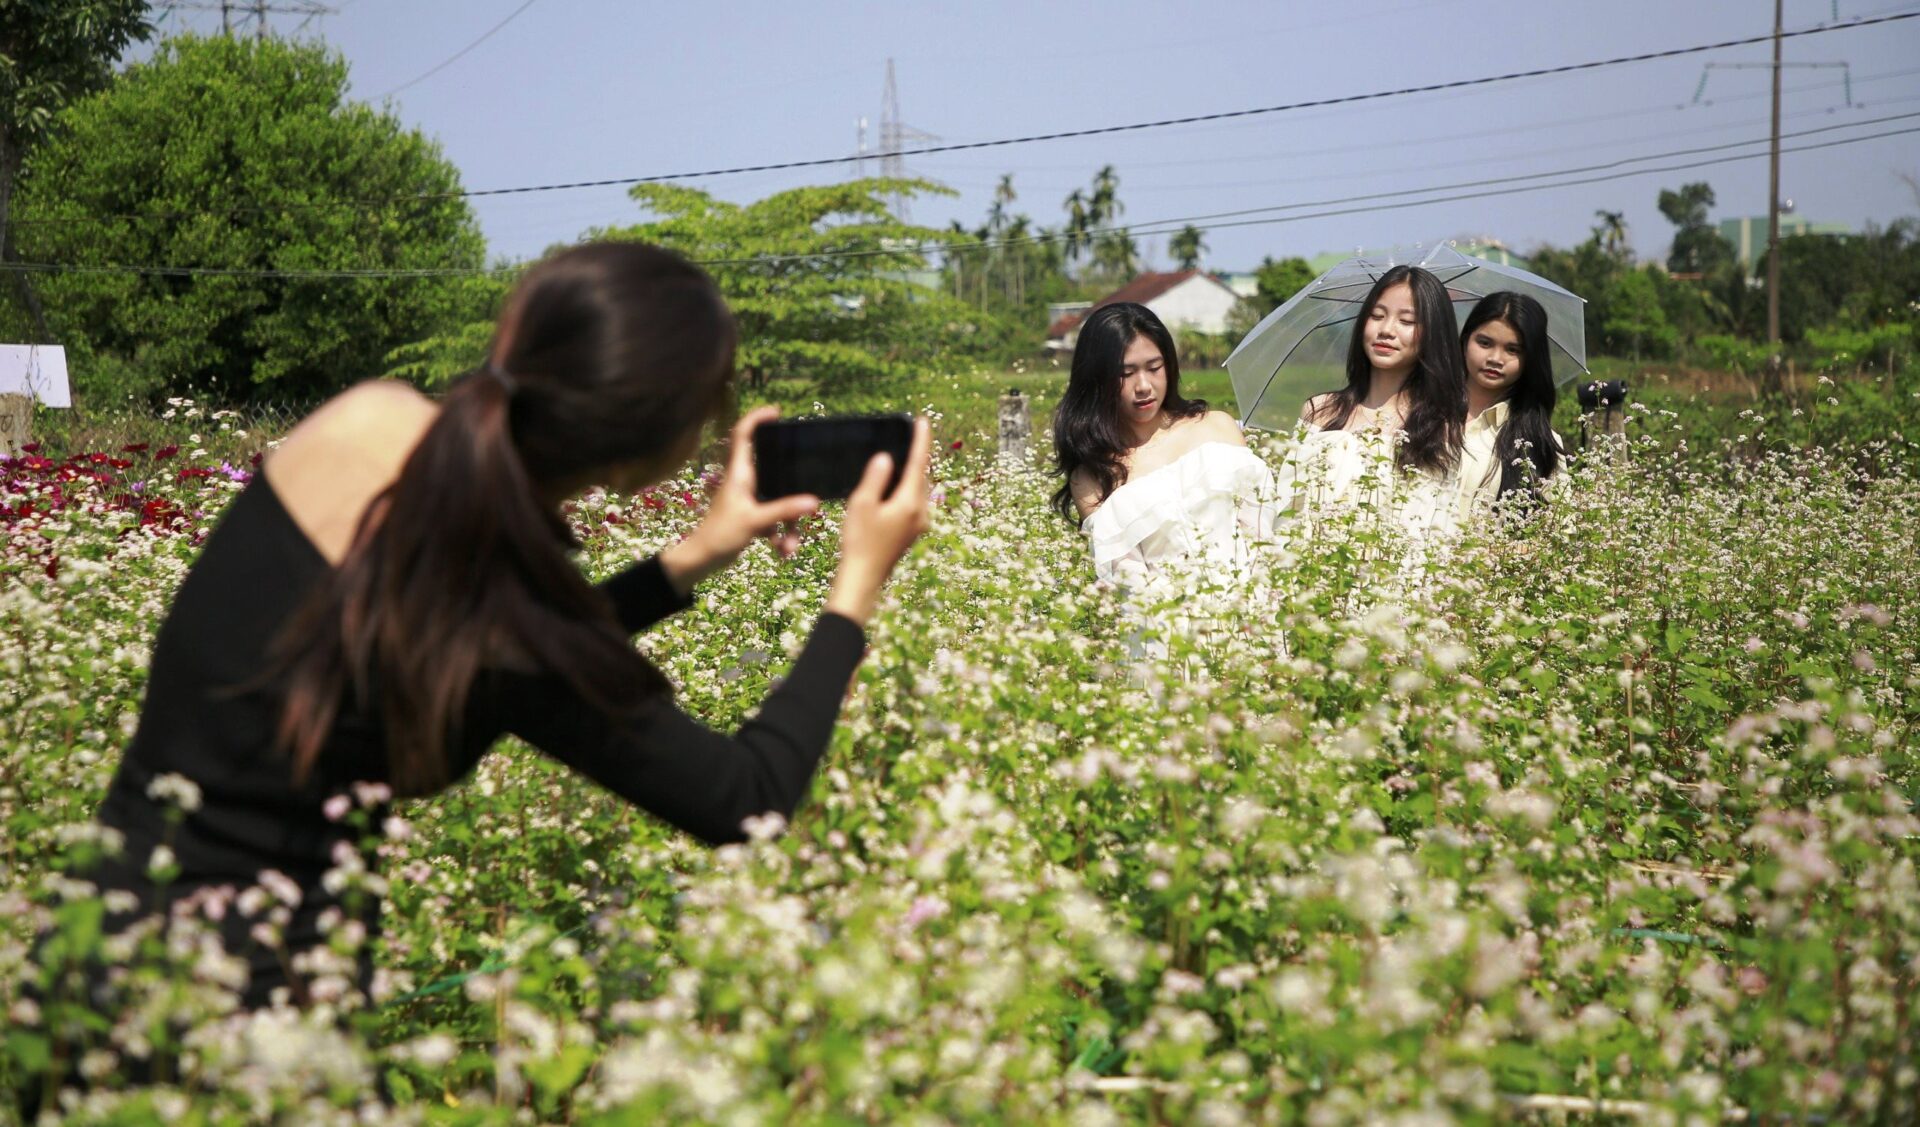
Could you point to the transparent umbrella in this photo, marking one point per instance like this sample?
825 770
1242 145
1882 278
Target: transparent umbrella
1300 349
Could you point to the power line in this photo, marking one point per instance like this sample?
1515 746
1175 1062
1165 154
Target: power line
1424 139
1151 227
461 53
1034 138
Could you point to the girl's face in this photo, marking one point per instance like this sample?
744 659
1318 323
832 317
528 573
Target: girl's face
1143 381
1493 357
1392 332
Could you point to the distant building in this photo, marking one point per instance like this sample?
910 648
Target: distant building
1243 283
1183 299
1749 234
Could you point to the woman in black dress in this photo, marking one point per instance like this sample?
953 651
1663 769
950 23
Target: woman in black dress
393 594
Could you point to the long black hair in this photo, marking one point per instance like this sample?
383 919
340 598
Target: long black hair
1087 431
1529 427
1436 388
607 354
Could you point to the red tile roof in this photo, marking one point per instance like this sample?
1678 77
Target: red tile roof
1142 289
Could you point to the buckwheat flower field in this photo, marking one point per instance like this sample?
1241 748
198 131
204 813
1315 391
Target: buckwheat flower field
1609 813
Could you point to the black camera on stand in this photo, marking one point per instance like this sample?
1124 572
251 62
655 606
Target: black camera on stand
1595 394
1608 397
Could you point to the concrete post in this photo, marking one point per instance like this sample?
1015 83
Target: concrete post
1016 427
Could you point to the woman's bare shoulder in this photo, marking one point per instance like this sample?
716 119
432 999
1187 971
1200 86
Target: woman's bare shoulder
338 459
378 415
1223 427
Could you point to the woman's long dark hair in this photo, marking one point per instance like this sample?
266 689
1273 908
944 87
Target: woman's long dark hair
1087 430
1529 427
607 354
1436 388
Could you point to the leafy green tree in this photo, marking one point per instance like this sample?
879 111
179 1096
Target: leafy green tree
1589 270
1636 324
1275 280
1187 246
246 156
51 52
821 279
454 351
1698 246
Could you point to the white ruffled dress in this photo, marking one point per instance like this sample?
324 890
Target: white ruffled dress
1206 509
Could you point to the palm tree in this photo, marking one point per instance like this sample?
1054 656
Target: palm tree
1187 245
1612 232
1105 206
1116 255
1077 239
1003 195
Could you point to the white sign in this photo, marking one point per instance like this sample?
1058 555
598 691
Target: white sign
35 370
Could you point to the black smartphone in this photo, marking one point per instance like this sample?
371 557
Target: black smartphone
825 457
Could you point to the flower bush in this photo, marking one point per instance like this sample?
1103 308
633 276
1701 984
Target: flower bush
1607 808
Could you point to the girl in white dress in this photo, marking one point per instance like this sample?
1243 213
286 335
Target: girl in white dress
1509 449
1154 478
1391 437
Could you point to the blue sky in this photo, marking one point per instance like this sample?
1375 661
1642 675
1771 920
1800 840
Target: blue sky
589 89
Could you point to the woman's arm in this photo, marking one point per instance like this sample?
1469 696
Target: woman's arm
643 595
702 781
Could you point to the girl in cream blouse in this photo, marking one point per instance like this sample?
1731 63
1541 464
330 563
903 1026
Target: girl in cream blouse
1509 447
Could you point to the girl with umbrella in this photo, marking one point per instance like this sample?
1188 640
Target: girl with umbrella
1405 386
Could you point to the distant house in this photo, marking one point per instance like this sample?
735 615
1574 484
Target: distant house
1183 299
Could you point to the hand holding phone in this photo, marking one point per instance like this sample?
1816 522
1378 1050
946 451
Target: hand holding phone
825 458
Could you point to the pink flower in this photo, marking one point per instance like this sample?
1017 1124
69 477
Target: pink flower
925 908
336 807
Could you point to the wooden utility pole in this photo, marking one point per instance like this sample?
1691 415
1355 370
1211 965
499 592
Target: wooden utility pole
1773 207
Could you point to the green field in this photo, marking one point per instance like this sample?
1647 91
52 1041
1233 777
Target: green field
1612 806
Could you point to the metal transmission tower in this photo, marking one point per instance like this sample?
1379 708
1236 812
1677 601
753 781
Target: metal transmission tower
894 134
234 11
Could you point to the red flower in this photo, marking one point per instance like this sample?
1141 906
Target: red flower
53 567
30 448
134 448
956 444
166 452
193 472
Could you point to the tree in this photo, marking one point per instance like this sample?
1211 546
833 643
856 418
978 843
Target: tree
820 278
1612 233
51 52
239 155
1077 238
1275 280
1697 246
1635 322
1187 245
